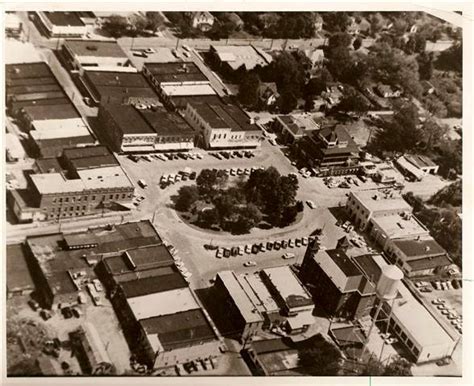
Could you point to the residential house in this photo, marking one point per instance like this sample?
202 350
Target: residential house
202 20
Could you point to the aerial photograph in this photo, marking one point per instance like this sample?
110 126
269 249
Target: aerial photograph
240 193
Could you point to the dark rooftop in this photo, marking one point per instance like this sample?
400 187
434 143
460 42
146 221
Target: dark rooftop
343 262
26 71
46 165
270 345
88 151
221 115
128 119
18 273
166 279
369 267
179 329
175 72
51 111
415 249
116 79
54 147
90 157
97 48
64 18
181 101
429 262
348 335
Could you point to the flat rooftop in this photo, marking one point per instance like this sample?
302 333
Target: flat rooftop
414 249
64 19
299 124
395 226
376 201
164 279
247 56
420 161
97 48
56 112
163 303
222 116
172 90
258 292
287 285
343 261
176 72
177 329
240 298
18 273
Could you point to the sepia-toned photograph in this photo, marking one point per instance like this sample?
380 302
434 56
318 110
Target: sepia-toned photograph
233 193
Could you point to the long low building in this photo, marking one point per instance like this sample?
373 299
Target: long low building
137 128
222 125
62 24
86 186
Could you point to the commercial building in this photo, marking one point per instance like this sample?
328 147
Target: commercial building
90 351
129 128
62 24
222 125
332 150
364 205
62 264
90 181
274 357
38 101
97 55
163 321
118 88
177 79
417 257
343 285
235 57
294 127
417 166
19 281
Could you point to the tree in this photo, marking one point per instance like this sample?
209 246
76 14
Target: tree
187 196
398 367
425 65
416 44
336 21
208 181
308 104
451 59
287 101
154 20
225 206
339 39
373 368
449 195
357 43
248 217
208 217
139 24
288 71
434 133
435 106
320 361
249 90
353 101
376 23
116 26
318 84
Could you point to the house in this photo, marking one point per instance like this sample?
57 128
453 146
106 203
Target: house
222 125
318 22
97 55
386 91
91 183
315 56
268 93
343 285
139 127
202 20
62 24
233 57
418 257
295 126
331 149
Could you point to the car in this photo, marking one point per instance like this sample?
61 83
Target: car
142 183
439 301
311 204
304 241
250 264
272 142
269 246
192 176
448 285
426 289
455 284
240 171
199 155
437 284
255 248
276 245
97 285
291 243
140 54
239 154
178 177
247 171
81 298
441 306
224 154
248 248
344 185
45 314
391 340
284 244
164 178
234 251
261 247
226 252
288 255
452 316
233 172
445 312
220 253
186 54
76 312
298 242
33 304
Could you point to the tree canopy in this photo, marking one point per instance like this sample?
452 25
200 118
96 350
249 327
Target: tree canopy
116 26
249 90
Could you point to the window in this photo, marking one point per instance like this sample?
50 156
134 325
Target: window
409 344
83 208
123 195
93 198
398 329
54 200
60 200
416 352
85 198
111 196
403 336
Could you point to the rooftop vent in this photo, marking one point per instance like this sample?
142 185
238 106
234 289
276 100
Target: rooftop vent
427 248
91 48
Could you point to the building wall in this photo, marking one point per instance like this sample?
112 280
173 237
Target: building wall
197 351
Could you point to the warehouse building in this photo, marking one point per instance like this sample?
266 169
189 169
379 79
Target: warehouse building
97 55
118 88
222 126
62 24
19 281
138 128
90 181
62 263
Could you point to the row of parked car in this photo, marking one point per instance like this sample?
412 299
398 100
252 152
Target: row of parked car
262 247
182 175
197 365
450 313
165 156
233 154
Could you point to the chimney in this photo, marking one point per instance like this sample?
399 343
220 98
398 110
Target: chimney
427 248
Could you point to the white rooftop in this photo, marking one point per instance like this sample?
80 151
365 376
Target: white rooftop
14 146
376 201
18 52
187 90
90 179
163 303
395 226
258 292
59 128
237 56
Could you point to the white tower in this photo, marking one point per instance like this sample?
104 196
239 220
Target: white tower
386 290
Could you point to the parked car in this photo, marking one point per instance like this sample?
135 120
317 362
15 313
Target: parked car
304 241
45 314
269 246
142 183
226 252
276 245
67 313
33 304
288 255
284 244
76 312
311 204
291 243
241 250
250 264
220 253
261 247
426 289
255 248
297 242
248 248
97 285
192 176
